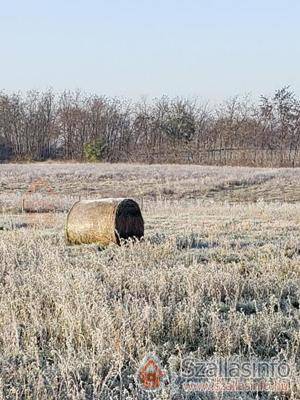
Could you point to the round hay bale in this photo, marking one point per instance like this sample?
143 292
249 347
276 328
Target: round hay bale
104 221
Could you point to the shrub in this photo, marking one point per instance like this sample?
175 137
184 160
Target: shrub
93 151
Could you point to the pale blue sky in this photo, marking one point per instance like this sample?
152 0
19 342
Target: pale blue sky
212 49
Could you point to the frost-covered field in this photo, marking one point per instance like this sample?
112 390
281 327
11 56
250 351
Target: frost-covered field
218 275
152 182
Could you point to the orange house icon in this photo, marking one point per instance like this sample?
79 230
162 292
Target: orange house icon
150 374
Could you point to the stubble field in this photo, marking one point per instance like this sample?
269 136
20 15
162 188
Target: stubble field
218 275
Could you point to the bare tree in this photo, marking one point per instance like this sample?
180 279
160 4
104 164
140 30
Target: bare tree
40 125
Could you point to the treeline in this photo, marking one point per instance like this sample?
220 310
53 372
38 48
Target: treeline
77 126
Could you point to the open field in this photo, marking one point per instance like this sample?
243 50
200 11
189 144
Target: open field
171 182
217 275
